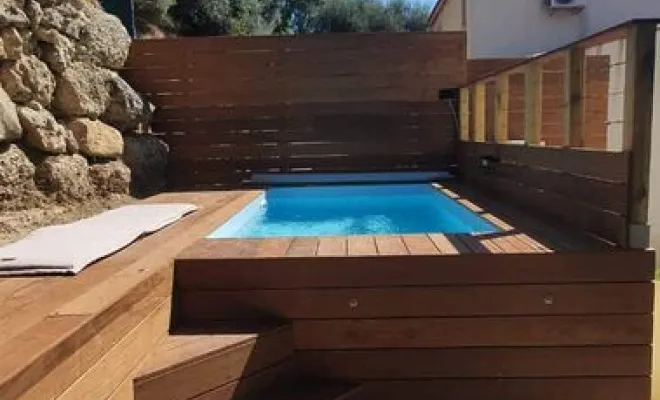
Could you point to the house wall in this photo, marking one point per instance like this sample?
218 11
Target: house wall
654 211
451 18
514 28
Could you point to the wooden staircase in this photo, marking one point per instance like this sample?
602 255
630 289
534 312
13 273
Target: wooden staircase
231 360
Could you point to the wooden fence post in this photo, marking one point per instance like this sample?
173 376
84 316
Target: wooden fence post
637 128
533 103
502 109
465 114
480 112
574 85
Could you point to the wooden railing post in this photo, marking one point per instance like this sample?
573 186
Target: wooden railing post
574 84
637 128
533 103
480 112
502 108
465 114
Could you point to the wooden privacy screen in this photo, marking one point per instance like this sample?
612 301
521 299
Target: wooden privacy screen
232 106
580 188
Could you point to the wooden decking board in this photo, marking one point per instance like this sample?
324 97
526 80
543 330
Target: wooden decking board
74 354
95 298
250 387
443 244
303 247
390 245
276 247
420 245
362 246
310 389
186 367
100 381
332 246
47 293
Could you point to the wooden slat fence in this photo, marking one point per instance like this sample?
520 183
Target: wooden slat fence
230 107
565 134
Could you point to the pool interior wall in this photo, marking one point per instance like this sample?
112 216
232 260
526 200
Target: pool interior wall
343 210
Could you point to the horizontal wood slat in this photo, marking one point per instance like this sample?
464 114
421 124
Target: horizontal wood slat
607 388
398 333
577 299
235 272
495 362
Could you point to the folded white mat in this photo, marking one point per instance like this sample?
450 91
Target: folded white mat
68 249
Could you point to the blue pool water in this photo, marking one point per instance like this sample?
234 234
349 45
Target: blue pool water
352 210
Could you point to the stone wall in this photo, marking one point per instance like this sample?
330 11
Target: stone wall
69 124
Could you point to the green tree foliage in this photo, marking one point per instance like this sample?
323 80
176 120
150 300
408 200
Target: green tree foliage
152 13
246 17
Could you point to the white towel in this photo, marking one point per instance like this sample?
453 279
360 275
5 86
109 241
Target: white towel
69 248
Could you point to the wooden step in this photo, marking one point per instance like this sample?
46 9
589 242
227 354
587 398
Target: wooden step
309 389
189 364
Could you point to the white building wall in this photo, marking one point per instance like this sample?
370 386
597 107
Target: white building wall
515 28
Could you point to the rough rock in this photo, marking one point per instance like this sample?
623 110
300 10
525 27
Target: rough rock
56 49
109 178
28 79
71 142
97 139
12 44
42 130
12 15
67 19
17 188
82 91
34 12
105 41
64 177
126 109
10 127
146 156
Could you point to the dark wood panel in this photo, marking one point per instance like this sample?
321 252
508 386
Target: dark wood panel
424 333
611 388
193 271
496 362
607 166
616 298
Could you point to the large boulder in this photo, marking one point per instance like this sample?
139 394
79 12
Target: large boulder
65 177
146 156
17 188
56 49
126 109
42 131
28 79
67 19
97 139
109 178
12 15
10 127
105 41
83 91
11 44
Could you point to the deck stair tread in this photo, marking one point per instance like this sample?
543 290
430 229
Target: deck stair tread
310 389
187 363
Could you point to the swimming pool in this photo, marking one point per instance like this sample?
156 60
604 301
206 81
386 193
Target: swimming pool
380 209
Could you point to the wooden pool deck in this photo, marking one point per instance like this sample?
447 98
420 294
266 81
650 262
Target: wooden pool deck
548 311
